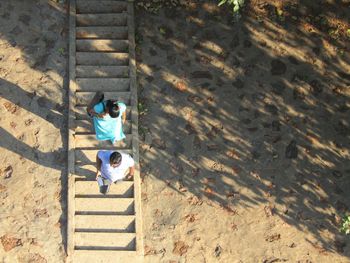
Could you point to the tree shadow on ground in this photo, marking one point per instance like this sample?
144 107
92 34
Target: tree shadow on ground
247 114
37 29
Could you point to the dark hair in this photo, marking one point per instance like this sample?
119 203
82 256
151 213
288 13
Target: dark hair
115 158
113 108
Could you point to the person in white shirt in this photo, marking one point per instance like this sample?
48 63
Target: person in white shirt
113 166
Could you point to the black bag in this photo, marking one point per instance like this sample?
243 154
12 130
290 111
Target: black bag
99 97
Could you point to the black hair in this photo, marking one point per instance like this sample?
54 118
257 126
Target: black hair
115 158
113 108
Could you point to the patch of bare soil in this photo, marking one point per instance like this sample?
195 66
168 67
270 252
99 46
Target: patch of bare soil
33 102
244 131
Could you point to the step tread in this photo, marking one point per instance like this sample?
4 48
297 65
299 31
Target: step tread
102 58
113 19
87 141
95 6
107 223
102 45
103 84
103 32
106 256
102 71
104 205
89 188
121 241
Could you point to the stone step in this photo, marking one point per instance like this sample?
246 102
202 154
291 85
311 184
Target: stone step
84 126
89 141
116 19
104 223
103 84
124 189
106 256
103 32
102 241
102 71
102 45
89 156
104 206
102 59
97 7
84 97
80 113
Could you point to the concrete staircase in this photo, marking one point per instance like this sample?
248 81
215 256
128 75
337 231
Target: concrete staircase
102 58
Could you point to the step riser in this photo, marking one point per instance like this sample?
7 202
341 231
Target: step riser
102 33
105 84
101 20
102 59
102 71
96 7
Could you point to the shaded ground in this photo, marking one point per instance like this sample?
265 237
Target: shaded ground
33 105
245 133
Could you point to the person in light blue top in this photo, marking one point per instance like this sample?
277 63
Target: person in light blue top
108 118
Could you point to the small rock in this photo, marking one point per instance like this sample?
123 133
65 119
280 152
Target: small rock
337 173
180 248
276 126
239 84
8 172
278 67
148 138
9 242
292 150
271 108
273 237
201 75
217 251
316 87
159 143
278 87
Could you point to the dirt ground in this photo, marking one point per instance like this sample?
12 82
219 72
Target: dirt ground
33 116
244 131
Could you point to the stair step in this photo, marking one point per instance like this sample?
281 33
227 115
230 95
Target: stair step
102 58
124 189
103 32
106 256
80 113
103 84
102 45
84 97
100 241
104 206
116 19
100 6
89 156
88 141
84 126
100 223
102 71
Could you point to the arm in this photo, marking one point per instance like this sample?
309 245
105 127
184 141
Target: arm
124 117
131 172
98 166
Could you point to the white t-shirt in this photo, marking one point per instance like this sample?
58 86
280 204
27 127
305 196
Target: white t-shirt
118 173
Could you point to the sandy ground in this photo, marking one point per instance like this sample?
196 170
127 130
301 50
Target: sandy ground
33 105
244 136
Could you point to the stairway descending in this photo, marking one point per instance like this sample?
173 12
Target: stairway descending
102 228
